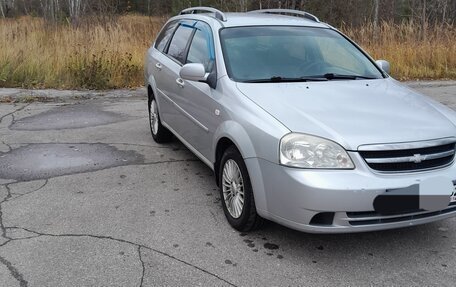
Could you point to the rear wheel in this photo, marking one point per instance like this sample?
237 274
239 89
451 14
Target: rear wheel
159 133
236 192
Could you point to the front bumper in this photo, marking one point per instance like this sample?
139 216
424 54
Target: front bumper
293 197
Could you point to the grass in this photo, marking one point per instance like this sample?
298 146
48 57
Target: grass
412 53
99 56
110 55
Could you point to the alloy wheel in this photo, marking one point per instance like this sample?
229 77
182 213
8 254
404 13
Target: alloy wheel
154 117
233 188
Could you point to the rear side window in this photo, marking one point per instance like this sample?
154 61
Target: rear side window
162 39
201 50
178 44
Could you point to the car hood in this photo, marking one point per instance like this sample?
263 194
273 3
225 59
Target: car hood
355 112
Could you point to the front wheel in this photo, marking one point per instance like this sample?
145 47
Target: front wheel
236 192
159 133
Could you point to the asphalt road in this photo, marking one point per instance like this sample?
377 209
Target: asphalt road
88 199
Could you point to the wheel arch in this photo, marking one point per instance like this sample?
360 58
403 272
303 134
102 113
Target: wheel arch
222 145
151 87
229 134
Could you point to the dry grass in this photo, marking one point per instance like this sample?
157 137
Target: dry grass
98 56
412 55
101 56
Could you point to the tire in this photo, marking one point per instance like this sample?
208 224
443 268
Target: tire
235 187
160 134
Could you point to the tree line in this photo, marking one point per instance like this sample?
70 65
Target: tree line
336 12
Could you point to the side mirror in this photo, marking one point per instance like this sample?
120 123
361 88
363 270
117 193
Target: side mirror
384 65
193 72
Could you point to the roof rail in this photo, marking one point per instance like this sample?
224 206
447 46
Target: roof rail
218 14
296 13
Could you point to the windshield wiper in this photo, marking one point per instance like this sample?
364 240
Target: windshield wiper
317 78
332 76
278 79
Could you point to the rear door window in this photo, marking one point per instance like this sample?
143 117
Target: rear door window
165 35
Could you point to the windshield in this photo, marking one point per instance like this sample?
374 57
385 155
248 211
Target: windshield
284 53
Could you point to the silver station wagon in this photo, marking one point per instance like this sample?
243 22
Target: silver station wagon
299 124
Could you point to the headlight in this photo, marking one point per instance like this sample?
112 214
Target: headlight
305 151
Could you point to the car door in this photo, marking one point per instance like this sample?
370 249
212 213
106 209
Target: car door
197 99
167 68
157 58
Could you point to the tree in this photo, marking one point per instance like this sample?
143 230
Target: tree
75 7
376 14
6 6
352 12
2 5
50 9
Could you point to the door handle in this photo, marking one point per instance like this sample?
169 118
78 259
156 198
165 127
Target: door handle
158 66
180 82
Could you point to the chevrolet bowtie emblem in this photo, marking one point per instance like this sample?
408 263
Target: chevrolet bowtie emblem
417 158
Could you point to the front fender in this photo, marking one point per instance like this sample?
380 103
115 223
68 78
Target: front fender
238 135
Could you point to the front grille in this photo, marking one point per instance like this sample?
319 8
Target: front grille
404 160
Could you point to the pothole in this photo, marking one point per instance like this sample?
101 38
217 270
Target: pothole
67 117
41 161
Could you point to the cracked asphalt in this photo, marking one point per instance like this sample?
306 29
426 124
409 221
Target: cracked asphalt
87 198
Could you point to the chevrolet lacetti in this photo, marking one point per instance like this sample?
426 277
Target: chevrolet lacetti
299 124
